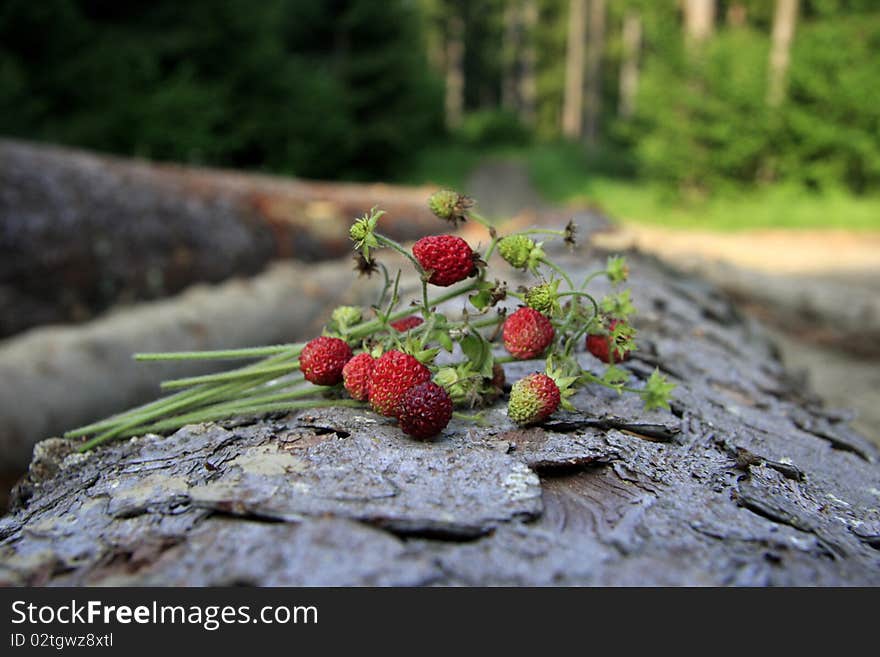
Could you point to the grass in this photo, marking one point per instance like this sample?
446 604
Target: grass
562 174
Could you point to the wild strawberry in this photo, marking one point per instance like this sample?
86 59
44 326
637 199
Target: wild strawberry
450 206
356 376
425 410
521 252
600 346
448 258
322 360
407 323
533 399
393 374
527 333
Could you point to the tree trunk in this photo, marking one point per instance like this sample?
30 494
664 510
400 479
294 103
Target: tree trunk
737 14
454 71
80 232
746 480
784 21
510 53
573 101
528 84
629 65
699 20
595 48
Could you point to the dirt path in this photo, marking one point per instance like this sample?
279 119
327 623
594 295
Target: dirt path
819 290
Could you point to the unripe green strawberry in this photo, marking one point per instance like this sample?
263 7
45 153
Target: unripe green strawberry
393 374
407 323
544 298
322 360
357 376
600 346
533 399
515 249
345 316
448 258
527 333
425 410
450 206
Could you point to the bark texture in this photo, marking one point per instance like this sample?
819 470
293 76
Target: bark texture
80 233
573 101
746 480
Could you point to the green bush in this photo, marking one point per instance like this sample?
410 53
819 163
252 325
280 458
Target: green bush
492 128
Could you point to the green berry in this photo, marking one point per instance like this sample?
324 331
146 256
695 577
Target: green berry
533 399
543 298
345 316
515 249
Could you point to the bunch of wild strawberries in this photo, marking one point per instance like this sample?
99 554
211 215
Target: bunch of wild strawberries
396 368
411 361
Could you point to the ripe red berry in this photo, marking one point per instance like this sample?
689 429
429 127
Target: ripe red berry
533 399
393 374
527 333
600 346
448 258
425 410
356 376
322 360
407 323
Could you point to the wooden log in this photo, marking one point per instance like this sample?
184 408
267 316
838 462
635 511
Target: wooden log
747 480
80 232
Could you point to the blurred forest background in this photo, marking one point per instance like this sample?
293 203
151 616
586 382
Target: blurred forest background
722 113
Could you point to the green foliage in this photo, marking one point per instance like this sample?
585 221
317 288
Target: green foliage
830 130
308 87
704 124
493 128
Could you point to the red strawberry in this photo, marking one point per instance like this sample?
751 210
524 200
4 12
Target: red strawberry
527 333
393 374
448 258
425 410
322 360
407 323
600 346
357 374
533 399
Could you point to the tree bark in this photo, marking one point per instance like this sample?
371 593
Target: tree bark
699 20
454 71
746 480
573 101
784 21
528 83
595 48
629 65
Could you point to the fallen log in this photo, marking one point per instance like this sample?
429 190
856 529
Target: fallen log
81 232
746 480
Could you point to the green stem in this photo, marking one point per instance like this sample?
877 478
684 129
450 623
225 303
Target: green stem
219 415
560 271
542 231
591 277
387 241
480 219
225 377
178 401
490 250
580 293
222 354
